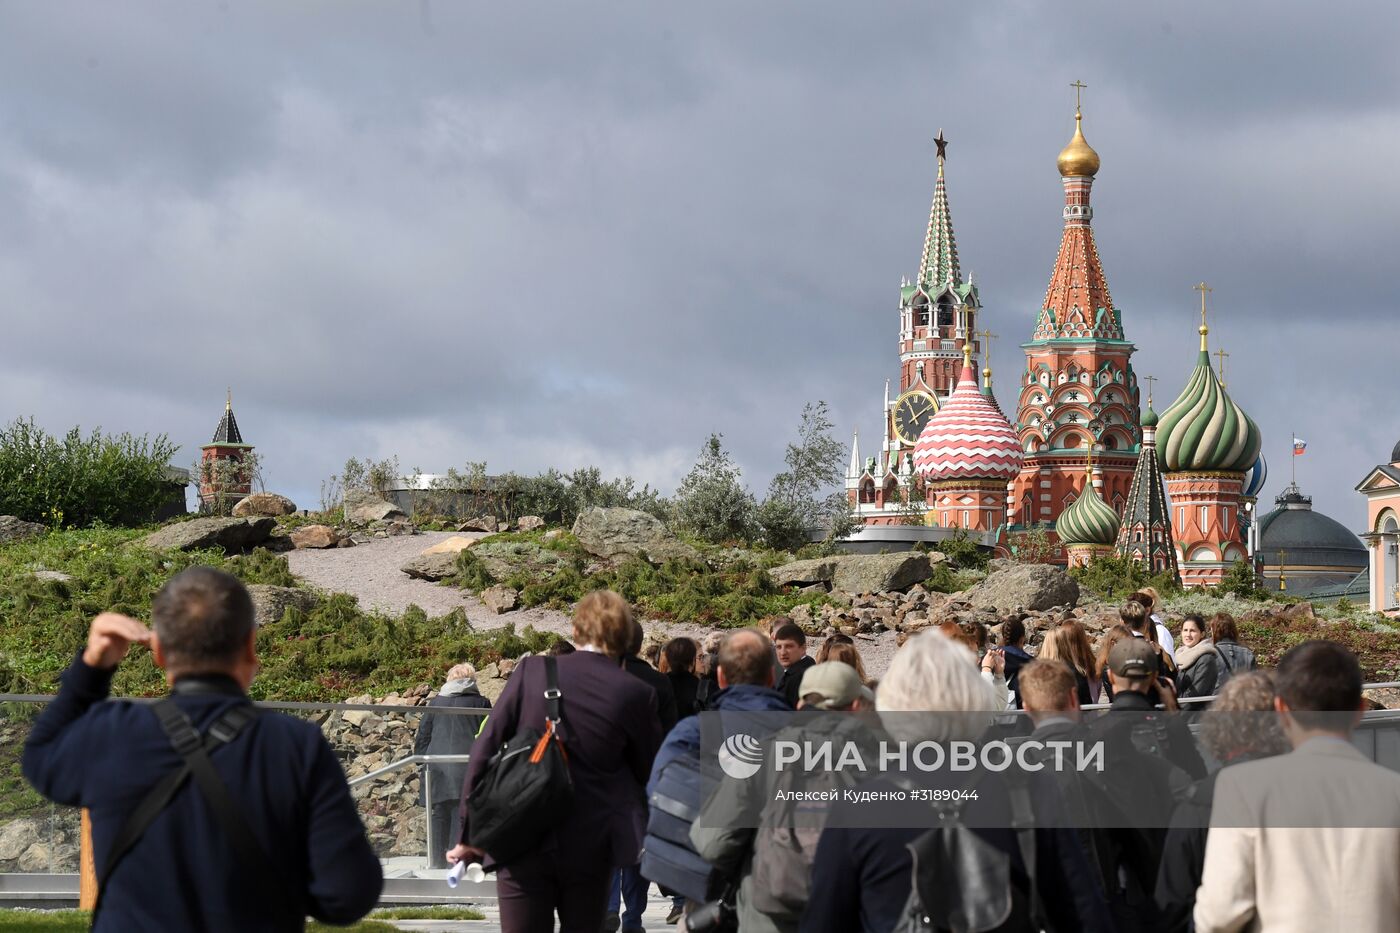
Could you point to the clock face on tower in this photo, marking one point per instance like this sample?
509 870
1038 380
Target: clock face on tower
911 412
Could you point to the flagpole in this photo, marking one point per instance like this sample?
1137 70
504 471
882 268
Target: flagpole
1293 457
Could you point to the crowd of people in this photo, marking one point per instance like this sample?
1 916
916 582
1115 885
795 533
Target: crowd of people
1280 825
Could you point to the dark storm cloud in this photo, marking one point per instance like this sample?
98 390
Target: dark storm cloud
564 233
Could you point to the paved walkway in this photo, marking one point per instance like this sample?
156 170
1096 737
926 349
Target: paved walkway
654 919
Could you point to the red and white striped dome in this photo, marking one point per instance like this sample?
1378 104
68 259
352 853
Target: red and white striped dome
969 437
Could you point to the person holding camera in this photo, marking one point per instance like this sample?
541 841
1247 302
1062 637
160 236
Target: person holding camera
207 814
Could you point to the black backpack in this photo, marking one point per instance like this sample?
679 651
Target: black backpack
962 884
525 790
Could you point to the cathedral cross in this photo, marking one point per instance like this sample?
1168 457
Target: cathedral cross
1149 380
1222 356
1078 86
1203 288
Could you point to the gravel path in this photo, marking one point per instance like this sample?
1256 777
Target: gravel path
370 572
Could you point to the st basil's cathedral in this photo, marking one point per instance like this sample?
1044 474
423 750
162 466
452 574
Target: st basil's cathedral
1082 459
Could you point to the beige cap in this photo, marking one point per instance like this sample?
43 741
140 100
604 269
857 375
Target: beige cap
836 682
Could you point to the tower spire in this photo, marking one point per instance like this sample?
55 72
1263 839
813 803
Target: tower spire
1077 302
939 264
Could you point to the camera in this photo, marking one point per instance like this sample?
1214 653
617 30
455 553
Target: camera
717 916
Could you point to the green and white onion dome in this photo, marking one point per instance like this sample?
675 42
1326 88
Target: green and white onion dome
1204 429
1088 520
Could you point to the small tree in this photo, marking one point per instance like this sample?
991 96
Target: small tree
227 476
1032 546
1242 580
805 488
711 501
913 501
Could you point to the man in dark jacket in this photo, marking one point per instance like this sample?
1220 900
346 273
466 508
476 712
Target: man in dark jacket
1132 670
183 872
448 734
790 643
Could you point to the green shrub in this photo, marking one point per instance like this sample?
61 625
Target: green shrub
1242 581
963 553
77 481
1115 576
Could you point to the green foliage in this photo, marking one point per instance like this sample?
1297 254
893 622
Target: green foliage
963 553
1033 545
1115 576
781 525
471 572
712 502
80 481
1242 581
556 497
427 913
334 651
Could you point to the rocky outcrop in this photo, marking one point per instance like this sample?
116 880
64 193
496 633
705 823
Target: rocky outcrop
433 567
264 503
499 599
364 508
1027 587
859 573
618 533
315 536
17 529
231 534
397 527
270 603
504 559
530 523
486 523
367 740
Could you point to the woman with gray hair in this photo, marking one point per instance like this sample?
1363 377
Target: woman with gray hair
1240 725
448 734
863 874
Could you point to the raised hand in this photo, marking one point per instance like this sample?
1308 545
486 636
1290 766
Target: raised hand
111 637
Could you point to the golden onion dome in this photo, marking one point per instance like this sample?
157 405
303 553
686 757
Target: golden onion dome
1078 158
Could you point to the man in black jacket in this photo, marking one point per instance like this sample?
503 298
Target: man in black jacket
790 642
184 872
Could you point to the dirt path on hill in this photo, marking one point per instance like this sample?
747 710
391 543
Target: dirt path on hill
370 572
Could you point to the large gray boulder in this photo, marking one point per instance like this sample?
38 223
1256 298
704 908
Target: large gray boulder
363 508
499 599
17 529
264 503
270 603
432 566
615 533
858 573
1032 587
231 534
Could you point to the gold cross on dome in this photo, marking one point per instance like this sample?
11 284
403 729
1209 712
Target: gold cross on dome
988 336
1203 288
1149 380
1222 356
1078 86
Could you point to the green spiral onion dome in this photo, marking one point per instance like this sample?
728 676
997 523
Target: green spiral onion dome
1088 520
1204 429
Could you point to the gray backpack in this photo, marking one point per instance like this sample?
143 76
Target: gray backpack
962 884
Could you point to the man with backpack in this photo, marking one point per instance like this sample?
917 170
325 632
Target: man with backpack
207 814
744 673
775 861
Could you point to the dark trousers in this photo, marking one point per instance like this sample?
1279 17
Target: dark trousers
530 891
629 891
445 831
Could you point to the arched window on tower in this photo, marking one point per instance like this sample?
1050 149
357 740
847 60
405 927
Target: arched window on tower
920 311
945 312
866 494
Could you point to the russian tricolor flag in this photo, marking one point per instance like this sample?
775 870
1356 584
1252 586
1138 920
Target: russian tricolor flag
1299 446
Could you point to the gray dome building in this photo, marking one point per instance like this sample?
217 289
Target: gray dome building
1308 549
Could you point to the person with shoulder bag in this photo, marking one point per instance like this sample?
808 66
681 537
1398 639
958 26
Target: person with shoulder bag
600 723
207 813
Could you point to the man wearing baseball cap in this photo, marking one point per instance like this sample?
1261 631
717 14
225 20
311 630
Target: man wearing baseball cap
834 686
1132 672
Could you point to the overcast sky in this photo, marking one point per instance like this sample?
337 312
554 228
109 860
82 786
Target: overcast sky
564 233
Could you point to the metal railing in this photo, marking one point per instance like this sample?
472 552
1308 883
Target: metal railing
427 783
